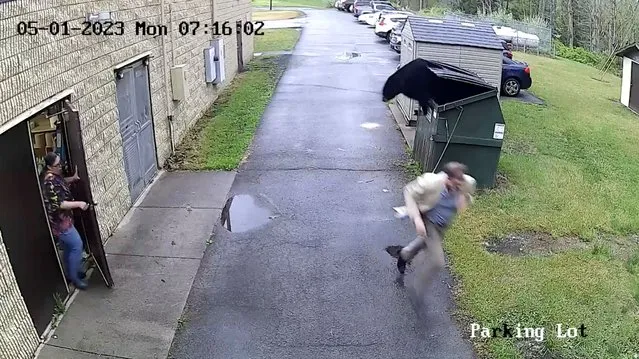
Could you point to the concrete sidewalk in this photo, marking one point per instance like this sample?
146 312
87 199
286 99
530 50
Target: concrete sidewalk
408 132
153 256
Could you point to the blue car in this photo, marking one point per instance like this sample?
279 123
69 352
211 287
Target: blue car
515 76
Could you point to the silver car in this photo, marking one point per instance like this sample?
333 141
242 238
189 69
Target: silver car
396 37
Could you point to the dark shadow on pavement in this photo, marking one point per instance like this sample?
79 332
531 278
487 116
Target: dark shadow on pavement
525 97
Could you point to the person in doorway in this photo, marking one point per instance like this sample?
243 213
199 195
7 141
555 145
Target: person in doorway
60 205
432 202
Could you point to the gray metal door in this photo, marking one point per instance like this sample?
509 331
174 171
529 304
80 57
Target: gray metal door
136 126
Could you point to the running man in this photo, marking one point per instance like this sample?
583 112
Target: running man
432 202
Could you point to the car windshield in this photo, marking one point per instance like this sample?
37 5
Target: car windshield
383 7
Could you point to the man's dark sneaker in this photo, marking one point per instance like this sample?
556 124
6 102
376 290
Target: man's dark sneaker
401 264
393 250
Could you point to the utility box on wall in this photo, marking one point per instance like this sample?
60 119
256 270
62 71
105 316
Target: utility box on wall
214 62
209 64
178 82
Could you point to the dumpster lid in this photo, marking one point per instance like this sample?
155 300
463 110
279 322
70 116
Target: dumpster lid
425 80
454 73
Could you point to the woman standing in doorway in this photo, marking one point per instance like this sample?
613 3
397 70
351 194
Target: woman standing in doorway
60 205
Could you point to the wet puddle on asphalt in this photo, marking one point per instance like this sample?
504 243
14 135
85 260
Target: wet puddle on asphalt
243 213
348 55
369 125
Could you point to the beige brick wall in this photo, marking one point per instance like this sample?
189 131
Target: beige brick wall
34 68
18 337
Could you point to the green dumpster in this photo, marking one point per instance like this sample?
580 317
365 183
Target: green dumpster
461 121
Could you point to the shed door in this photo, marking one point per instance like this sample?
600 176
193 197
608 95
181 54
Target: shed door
136 127
25 229
634 87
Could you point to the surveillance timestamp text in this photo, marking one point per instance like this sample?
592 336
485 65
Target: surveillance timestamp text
221 28
140 28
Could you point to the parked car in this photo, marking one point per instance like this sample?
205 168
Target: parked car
374 19
396 36
363 7
386 23
360 5
366 18
366 14
346 5
382 2
515 76
507 49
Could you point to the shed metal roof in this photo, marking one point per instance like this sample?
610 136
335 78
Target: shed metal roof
629 51
454 32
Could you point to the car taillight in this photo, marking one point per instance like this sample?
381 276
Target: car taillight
527 70
381 22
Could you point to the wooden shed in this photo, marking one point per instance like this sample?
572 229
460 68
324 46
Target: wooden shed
630 77
472 46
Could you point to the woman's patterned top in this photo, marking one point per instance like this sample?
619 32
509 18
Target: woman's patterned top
56 191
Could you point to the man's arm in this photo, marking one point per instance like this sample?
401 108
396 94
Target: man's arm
469 187
412 208
420 186
415 188
462 202
413 211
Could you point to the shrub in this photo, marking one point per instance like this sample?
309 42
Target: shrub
581 55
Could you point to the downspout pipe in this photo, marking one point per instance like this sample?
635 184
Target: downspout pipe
167 84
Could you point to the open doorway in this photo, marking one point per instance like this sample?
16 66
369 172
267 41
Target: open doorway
33 252
25 229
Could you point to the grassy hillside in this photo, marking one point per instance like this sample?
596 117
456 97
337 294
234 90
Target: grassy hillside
571 187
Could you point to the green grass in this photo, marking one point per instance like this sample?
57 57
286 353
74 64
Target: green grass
293 3
573 170
220 139
277 40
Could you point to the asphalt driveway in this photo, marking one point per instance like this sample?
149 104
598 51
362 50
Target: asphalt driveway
303 272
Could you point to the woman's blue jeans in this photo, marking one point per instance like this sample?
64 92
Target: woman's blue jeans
72 247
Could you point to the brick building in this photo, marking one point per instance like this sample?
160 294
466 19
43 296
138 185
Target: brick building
113 102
